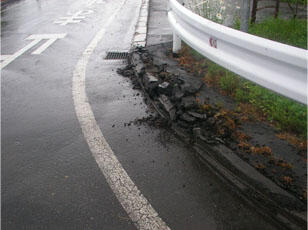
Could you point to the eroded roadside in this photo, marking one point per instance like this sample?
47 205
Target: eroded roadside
209 121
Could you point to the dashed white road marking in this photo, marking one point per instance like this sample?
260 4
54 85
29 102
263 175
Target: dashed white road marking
73 18
135 204
51 38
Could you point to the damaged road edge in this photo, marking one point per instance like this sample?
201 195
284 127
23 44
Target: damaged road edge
259 191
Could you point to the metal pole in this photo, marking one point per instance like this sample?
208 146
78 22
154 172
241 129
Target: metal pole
176 43
245 13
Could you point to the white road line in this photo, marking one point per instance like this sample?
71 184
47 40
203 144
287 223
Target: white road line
18 53
90 3
4 57
135 204
51 38
65 20
87 12
44 46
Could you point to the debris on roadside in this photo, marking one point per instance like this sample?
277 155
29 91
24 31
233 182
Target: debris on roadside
201 113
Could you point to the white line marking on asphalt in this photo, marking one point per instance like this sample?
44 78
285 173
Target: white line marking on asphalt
4 57
90 3
44 46
135 204
74 18
87 12
51 38
36 39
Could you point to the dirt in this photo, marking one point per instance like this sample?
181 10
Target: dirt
199 110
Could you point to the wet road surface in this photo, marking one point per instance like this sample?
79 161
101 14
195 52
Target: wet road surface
50 179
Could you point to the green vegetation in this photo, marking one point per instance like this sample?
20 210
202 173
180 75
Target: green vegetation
301 2
291 31
286 114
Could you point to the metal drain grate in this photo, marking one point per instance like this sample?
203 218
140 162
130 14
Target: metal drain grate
116 55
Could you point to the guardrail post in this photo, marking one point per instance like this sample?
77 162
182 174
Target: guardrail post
176 43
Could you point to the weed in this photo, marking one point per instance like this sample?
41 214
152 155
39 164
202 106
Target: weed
254 101
266 151
260 166
287 180
288 31
243 145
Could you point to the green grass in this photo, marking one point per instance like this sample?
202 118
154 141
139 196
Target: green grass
291 31
286 114
301 2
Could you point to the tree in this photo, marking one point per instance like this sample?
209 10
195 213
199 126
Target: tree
255 9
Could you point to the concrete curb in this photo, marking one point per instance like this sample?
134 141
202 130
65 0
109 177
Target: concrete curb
140 35
257 190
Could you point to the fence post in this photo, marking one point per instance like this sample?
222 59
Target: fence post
245 13
254 11
176 43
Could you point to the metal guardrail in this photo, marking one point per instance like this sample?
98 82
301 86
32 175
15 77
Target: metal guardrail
278 67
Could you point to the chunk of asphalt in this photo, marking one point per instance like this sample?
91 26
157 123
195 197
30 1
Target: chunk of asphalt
158 62
189 102
177 93
183 124
165 88
167 106
135 58
138 63
186 117
191 85
150 83
197 115
140 68
197 134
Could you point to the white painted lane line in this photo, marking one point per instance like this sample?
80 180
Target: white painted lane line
4 57
63 21
87 12
135 204
44 46
51 38
92 2
18 53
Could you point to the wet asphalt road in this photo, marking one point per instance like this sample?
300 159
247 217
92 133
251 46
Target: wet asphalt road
50 179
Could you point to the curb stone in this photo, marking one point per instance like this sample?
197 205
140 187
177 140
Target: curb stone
256 189
140 35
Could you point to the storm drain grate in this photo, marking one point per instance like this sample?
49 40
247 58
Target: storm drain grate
116 55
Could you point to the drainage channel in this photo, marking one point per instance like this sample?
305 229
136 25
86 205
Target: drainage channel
116 55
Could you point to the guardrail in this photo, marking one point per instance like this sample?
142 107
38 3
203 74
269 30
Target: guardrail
278 67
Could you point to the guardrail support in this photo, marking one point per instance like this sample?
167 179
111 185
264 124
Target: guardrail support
176 43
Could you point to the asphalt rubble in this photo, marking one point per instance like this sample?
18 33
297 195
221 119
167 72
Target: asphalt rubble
206 120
